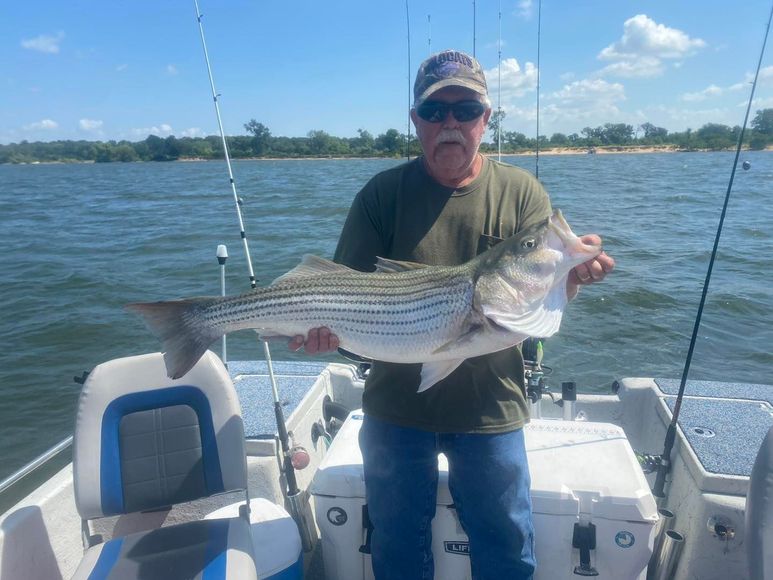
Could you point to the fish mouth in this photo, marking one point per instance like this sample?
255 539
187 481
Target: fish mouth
578 250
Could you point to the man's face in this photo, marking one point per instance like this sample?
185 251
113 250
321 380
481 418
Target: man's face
450 146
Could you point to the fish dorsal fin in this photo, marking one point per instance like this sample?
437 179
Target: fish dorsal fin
312 266
385 265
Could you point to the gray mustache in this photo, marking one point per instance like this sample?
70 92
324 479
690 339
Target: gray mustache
450 136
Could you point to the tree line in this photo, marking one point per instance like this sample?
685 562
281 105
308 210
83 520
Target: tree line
259 142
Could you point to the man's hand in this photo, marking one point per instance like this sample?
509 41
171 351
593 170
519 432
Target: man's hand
319 340
591 271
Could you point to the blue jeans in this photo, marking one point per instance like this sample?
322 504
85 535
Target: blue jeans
489 482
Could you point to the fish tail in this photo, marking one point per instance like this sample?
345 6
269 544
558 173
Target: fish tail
182 329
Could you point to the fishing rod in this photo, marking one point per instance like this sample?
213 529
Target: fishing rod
539 43
429 34
664 464
499 87
408 26
474 26
294 496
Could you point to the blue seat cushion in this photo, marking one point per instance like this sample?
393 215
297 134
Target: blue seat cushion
201 550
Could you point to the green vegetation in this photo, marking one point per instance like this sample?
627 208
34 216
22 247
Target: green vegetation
260 143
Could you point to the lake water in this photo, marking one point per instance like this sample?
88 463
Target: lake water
80 241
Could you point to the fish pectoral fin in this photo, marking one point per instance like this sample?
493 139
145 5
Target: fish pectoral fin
460 340
312 266
436 371
385 265
542 322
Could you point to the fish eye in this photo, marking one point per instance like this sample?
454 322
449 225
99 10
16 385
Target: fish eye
529 243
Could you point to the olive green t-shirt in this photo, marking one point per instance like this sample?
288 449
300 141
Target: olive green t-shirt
404 214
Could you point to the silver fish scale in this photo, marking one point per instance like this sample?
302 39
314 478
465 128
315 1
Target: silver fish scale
412 312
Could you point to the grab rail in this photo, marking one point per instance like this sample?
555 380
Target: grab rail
35 463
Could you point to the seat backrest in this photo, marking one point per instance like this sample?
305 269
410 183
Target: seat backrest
144 441
759 513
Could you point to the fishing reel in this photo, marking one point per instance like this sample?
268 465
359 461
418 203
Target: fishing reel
534 371
363 364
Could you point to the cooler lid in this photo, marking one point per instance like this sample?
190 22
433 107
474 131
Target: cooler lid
340 472
583 467
576 467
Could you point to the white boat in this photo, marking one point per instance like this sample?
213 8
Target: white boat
594 511
189 478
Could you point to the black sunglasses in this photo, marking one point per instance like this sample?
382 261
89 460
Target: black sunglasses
437 111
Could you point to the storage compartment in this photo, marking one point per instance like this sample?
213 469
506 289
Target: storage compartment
587 490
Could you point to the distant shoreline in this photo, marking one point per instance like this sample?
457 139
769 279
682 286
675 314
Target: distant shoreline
619 149
601 150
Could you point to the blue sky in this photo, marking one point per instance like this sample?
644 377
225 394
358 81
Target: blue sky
108 69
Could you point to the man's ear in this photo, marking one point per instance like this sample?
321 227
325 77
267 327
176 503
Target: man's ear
414 117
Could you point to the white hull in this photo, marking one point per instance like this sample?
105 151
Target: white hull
40 537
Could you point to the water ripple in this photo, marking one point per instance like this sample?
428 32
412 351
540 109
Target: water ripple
94 237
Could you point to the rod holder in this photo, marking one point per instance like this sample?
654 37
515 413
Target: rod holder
665 522
667 557
222 256
300 510
569 400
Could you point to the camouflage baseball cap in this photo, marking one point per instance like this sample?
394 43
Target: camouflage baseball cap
446 69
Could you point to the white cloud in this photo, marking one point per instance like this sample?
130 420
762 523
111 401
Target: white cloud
643 47
45 125
589 91
163 130
525 9
121 67
710 91
583 103
516 82
90 125
642 36
763 103
44 43
588 102
192 132
766 74
171 70
643 67
765 78
679 119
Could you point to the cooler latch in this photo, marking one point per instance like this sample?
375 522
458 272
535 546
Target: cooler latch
584 539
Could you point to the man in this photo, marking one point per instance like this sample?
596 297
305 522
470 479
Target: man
445 208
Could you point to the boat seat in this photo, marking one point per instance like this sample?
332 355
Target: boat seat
145 442
759 513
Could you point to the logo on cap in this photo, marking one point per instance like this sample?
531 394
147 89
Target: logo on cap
448 68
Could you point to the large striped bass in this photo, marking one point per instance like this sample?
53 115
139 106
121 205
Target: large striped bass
403 312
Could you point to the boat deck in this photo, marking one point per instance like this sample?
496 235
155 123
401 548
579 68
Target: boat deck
724 423
252 382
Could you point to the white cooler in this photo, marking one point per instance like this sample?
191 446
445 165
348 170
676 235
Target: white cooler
587 490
